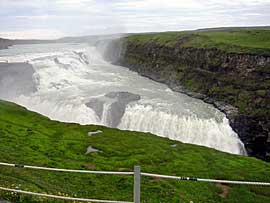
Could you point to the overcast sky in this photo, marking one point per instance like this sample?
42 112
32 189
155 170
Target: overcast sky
57 18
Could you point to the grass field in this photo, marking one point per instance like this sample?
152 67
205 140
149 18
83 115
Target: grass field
29 138
234 41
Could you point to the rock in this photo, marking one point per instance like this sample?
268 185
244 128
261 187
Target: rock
97 106
91 150
123 97
117 102
118 107
196 95
5 43
94 132
208 100
179 89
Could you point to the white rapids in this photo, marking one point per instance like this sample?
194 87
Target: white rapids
69 76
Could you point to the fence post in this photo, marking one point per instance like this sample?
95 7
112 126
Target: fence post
137 184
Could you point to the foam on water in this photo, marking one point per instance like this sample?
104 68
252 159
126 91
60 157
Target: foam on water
68 76
188 129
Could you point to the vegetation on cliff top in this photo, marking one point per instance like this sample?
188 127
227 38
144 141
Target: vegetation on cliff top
233 41
29 138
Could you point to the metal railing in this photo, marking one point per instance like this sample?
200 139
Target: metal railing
137 182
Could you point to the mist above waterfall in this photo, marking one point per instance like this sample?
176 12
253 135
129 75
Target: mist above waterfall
72 82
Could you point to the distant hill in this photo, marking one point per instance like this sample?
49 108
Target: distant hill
91 39
224 29
5 43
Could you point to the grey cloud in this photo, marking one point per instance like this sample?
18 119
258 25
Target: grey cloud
84 17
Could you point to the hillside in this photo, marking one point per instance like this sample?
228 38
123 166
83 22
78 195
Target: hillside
229 69
29 138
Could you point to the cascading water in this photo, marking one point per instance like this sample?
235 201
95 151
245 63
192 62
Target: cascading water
72 83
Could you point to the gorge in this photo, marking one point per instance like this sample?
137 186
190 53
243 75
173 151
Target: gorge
214 67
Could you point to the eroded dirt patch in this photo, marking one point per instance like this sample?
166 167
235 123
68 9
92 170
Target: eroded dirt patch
225 189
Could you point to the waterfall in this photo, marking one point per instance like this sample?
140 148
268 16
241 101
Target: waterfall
189 129
72 83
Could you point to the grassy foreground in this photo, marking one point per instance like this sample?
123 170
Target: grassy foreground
233 41
29 138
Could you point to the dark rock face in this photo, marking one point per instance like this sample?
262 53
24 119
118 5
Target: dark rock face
254 133
4 43
97 106
237 84
118 107
118 102
123 97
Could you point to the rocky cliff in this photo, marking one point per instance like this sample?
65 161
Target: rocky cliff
236 83
4 43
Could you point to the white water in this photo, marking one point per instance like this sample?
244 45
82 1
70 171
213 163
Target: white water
68 76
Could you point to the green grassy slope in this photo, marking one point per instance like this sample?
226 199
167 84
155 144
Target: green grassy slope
29 138
234 41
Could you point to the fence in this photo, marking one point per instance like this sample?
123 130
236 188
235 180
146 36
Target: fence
137 182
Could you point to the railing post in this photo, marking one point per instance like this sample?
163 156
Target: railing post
137 184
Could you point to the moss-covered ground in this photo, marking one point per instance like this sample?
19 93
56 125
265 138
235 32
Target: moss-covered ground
233 41
32 139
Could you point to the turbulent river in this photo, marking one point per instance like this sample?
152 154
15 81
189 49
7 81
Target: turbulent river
73 83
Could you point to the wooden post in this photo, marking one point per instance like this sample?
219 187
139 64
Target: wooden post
137 184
